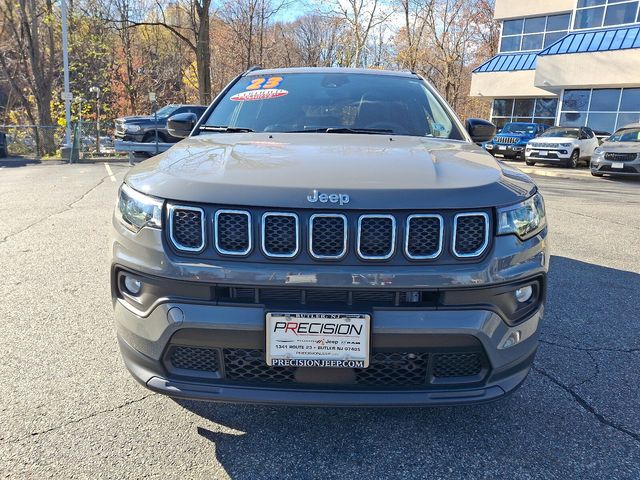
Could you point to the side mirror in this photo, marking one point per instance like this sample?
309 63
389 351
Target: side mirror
181 124
480 130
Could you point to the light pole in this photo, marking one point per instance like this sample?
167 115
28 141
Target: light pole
96 90
66 96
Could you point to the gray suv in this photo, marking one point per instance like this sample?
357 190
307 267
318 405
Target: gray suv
619 155
329 237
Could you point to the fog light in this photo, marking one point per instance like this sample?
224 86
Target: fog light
133 285
513 339
524 294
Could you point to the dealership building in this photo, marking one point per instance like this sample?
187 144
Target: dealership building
564 62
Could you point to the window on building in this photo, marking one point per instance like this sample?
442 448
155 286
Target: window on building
606 13
533 33
538 110
604 109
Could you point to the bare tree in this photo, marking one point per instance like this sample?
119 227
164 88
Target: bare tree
33 68
362 16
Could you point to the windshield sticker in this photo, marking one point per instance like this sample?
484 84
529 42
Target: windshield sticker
266 83
251 95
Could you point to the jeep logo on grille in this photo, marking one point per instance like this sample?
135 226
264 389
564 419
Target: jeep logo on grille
316 196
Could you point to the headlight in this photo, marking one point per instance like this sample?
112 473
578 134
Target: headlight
565 145
133 128
598 151
524 219
138 210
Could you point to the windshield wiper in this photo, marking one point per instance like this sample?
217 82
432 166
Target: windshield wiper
341 130
224 129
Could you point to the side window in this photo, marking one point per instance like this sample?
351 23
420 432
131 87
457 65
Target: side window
199 111
180 110
589 132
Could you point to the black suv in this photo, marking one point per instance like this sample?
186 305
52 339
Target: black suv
143 128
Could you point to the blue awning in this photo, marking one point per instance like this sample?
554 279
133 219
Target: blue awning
596 41
509 62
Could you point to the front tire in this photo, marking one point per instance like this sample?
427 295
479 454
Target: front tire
150 137
573 160
596 174
531 163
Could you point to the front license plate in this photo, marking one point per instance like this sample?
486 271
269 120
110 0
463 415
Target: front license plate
332 340
543 153
617 165
502 147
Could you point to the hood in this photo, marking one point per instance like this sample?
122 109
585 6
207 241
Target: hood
135 119
554 140
376 171
621 147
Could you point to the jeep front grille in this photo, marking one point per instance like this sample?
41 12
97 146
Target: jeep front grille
507 140
620 157
233 232
311 236
376 237
328 235
424 236
280 234
470 235
186 228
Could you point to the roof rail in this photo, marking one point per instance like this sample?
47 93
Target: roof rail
253 67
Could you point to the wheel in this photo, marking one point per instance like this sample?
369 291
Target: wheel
573 160
596 174
531 163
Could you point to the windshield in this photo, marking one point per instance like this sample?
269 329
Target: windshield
333 103
166 111
628 135
519 128
562 133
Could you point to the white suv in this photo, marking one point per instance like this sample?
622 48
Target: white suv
563 145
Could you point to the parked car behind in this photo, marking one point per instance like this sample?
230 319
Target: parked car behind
601 135
512 140
566 146
143 128
619 154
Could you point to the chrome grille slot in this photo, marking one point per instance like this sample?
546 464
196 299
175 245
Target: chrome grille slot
507 140
470 234
328 236
233 232
280 234
424 236
376 237
186 228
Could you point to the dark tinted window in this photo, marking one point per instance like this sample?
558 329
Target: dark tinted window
630 100
307 102
621 14
589 18
546 107
576 100
560 132
534 24
510 44
502 107
532 42
512 27
605 99
558 22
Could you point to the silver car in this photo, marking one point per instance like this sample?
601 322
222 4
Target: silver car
329 236
619 155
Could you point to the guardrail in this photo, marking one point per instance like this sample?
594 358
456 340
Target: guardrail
122 146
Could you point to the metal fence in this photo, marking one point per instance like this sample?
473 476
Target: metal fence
39 141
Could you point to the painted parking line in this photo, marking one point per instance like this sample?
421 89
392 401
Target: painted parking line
110 172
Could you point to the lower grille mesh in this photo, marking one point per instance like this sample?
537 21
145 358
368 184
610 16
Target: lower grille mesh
456 365
386 369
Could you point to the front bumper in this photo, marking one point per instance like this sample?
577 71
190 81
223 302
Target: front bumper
548 155
145 336
129 137
606 167
507 151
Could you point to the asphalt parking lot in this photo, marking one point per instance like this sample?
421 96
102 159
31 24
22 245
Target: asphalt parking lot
69 409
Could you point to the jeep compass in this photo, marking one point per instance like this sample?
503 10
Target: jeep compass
329 236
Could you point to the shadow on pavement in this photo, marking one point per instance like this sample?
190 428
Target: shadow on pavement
541 431
13 162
